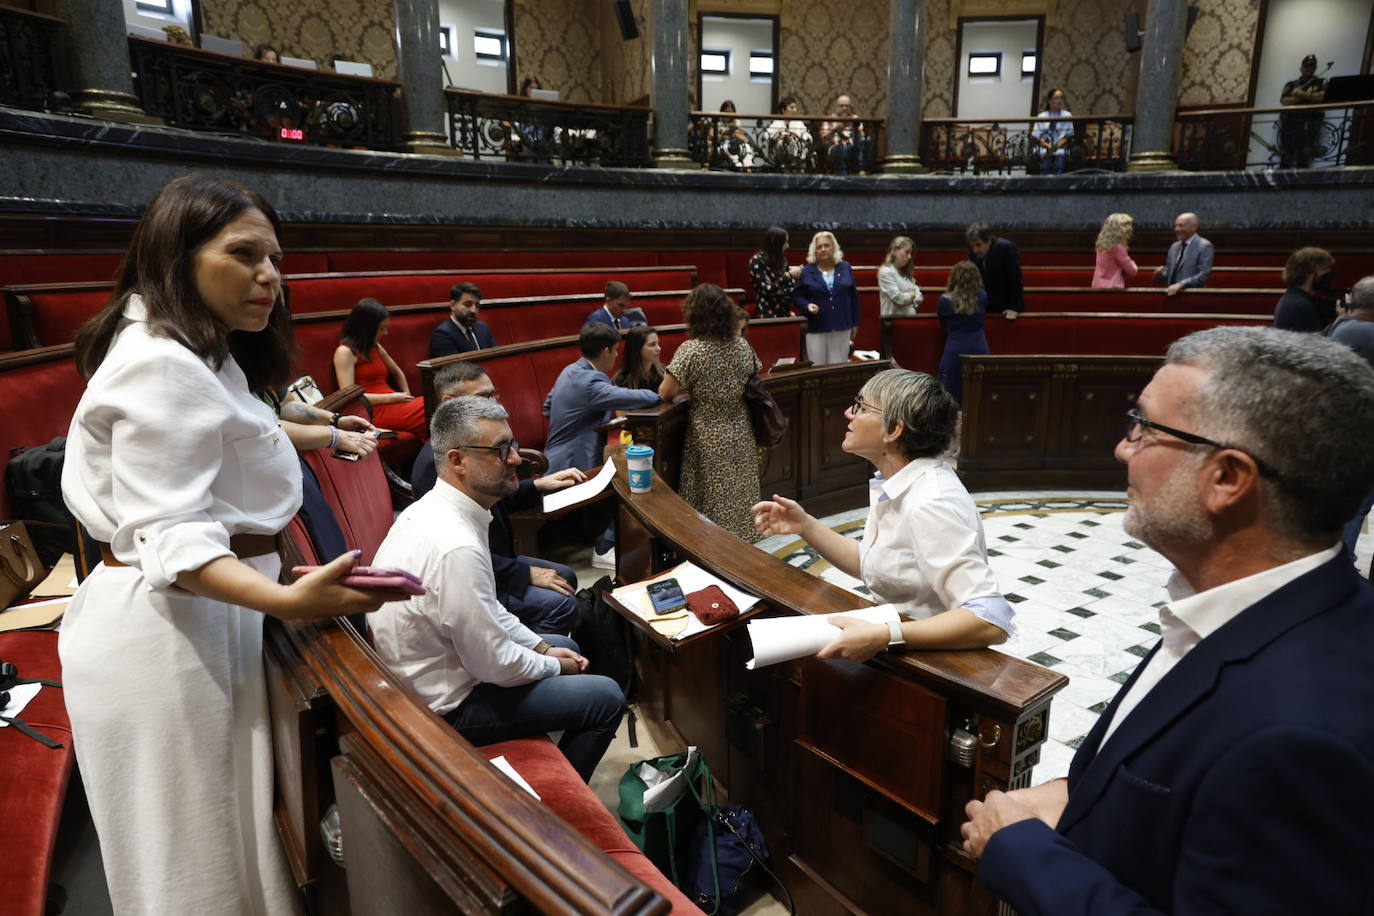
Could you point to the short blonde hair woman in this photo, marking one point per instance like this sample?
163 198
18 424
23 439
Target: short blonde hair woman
898 293
827 296
1114 264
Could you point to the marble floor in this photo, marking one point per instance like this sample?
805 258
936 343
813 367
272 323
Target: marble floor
1086 595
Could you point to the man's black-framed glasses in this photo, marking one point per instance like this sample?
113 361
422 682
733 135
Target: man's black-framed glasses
503 450
1136 426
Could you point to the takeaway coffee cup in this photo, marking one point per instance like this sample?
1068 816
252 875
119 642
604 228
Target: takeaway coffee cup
641 461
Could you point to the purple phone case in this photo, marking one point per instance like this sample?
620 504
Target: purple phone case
400 583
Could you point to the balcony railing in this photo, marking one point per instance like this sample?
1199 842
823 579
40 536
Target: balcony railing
784 143
29 59
203 90
1296 136
1032 146
518 129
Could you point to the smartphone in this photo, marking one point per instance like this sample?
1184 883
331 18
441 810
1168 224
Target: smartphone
666 595
343 455
375 577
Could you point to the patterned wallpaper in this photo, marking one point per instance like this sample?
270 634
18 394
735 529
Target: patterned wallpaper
559 41
1085 55
625 64
360 30
1217 55
937 95
832 46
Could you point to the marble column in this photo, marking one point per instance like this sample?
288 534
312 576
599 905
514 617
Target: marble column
906 62
99 55
421 73
669 66
1161 67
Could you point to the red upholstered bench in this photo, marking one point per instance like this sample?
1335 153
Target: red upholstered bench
357 492
33 778
40 390
480 260
562 791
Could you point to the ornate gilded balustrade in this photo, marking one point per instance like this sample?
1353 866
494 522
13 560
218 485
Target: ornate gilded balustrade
203 90
30 64
1027 145
519 129
784 143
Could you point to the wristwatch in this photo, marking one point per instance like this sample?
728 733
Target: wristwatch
334 420
895 637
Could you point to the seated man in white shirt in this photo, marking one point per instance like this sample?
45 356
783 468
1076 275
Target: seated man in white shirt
471 660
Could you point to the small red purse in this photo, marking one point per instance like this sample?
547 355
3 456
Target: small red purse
712 606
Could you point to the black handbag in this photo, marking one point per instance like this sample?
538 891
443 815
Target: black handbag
764 413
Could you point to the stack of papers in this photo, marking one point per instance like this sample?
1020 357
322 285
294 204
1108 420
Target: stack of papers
561 499
781 639
692 578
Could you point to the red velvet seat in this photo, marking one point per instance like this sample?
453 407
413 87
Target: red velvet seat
357 492
33 778
40 389
560 789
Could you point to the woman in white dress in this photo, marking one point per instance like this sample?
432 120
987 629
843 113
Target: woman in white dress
182 474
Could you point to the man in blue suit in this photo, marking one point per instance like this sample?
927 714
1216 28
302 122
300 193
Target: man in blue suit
1189 263
613 307
461 331
1232 772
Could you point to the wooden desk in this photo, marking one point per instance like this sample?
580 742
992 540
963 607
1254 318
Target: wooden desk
846 766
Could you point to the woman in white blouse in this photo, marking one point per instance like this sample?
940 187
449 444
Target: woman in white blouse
897 289
923 551
181 472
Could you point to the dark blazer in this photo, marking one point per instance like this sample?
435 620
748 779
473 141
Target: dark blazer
839 310
1001 270
512 576
1196 268
1297 311
1239 784
449 339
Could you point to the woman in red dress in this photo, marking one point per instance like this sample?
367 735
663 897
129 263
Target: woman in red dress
362 360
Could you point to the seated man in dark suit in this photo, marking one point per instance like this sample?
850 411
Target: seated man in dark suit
542 593
1189 263
612 310
461 331
999 262
1231 773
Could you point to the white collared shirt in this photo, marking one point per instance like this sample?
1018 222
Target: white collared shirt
1190 617
923 551
456 635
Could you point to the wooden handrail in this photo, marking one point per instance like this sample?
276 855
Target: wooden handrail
1282 109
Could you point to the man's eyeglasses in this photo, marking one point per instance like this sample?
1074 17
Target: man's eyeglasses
1136 426
503 450
858 406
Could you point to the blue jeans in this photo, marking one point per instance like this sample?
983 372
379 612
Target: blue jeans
585 707
544 610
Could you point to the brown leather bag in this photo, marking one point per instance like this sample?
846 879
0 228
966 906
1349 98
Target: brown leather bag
20 568
764 413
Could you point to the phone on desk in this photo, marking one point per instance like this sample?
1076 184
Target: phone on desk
375 577
666 596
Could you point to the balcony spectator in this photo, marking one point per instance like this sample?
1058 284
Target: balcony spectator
1052 132
731 144
849 149
267 54
898 293
1114 264
772 279
1300 131
789 140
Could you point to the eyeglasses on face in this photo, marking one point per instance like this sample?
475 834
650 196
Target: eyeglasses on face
503 450
1136 426
858 406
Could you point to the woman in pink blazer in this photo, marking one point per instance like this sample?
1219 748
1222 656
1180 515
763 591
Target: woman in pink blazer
1114 265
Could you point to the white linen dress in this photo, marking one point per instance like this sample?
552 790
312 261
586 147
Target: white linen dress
166 459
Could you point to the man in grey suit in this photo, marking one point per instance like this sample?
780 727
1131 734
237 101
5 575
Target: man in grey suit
1190 258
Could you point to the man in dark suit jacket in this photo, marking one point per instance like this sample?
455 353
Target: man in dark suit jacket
461 331
542 593
613 307
999 262
1189 263
1232 771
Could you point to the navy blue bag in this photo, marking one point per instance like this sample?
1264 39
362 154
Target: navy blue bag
724 859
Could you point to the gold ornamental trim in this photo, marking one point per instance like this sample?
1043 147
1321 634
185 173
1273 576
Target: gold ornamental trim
1152 161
